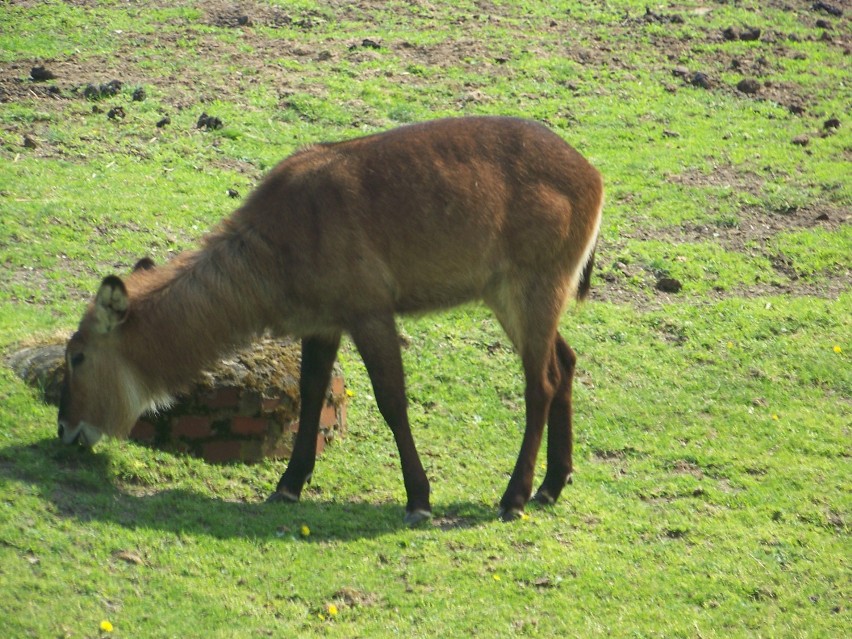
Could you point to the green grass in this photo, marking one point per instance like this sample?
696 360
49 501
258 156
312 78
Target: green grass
711 494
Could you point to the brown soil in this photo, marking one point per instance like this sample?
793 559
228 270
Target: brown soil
259 54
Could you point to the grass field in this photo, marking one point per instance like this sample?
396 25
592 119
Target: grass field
711 495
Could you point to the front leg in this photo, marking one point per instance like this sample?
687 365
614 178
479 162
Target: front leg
318 355
378 343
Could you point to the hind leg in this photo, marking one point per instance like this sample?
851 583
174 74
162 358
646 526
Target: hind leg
559 426
538 396
529 312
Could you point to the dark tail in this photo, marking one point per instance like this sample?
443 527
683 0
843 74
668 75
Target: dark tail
586 278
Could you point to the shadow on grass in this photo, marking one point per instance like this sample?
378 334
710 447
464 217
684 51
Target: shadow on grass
79 486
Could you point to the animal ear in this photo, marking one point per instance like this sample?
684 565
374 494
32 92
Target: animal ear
145 264
111 304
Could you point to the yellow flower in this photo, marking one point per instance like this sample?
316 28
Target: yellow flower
495 577
775 417
331 609
524 516
350 392
305 531
838 350
106 626
730 344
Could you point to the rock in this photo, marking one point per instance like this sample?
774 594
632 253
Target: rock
748 86
801 140
163 122
139 94
42 366
831 123
731 34
29 143
116 113
233 193
669 285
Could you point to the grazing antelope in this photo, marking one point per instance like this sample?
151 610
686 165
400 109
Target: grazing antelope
340 237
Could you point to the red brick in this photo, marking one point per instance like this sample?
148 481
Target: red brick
338 386
269 404
228 397
222 451
192 427
328 418
254 426
143 431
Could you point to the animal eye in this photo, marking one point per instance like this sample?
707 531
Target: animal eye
77 359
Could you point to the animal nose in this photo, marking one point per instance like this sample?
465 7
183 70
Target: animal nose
63 431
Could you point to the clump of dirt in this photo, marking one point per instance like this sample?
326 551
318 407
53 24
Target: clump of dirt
651 17
41 74
208 122
748 86
748 34
828 8
100 91
116 113
227 15
366 43
669 285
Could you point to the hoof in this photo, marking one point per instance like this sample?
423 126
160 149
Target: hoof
544 498
416 517
284 496
511 514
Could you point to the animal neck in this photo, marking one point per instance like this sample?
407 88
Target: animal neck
188 313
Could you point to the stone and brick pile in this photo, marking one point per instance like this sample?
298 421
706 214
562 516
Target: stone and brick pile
245 408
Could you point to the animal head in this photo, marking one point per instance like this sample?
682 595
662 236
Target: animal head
101 393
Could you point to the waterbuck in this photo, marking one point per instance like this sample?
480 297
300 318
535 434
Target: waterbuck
340 237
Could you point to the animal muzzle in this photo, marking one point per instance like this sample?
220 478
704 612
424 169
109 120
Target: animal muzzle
82 434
